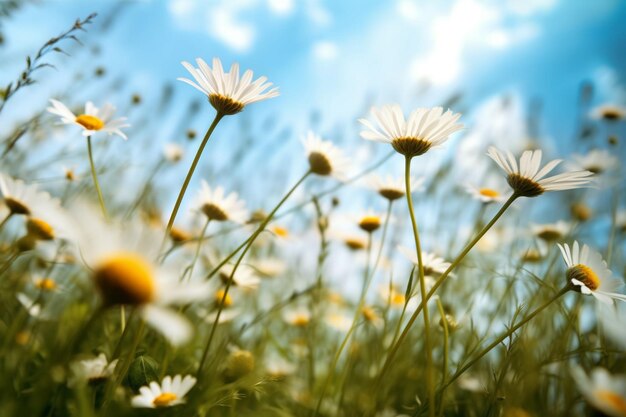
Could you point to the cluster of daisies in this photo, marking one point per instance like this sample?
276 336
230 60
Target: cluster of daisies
131 267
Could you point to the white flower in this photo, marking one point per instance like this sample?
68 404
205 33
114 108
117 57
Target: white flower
173 152
613 321
170 392
393 188
218 206
45 218
609 112
91 370
596 161
92 120
123 263
485 194
432 263
551 232
528 180
589 272
324 157
244 277
228 93
425 128
603 391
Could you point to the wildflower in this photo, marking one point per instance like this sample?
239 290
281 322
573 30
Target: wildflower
270 267
123 261
424 129
297 317
170 392
587 271
45 284
238 364
432 263
551 232
609 112
392 296
91 370
244 277
215 205
485 194
279 231
325 159
603 391
226 92
371 316
529 180
355 242
92 120
179 236
370 222
393 188
581 211
219 296
596 161
172 152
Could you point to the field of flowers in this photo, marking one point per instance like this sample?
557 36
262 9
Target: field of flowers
141 280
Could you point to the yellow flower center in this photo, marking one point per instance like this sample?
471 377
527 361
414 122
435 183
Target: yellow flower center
89 122
614 400
219 295
214 212
225 105
164 399
320 164
398 299
585 275
179 236
300 320
369 314
369 223
523 186
39 229
280 231
16 206
125 278
489 192
411 146
45 284
354 243
391 193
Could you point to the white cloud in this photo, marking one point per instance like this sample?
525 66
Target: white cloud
225 24
408 9
325 51
281 7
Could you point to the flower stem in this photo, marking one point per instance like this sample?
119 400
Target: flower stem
192 168
506 334
191 267
394 349
250 241
5 220
95 179
430 383
444 365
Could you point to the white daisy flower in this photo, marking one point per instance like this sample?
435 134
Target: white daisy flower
528 180
603 391
170 392
432 263
298 316
486 194
425 128
218 206
45 218
587 271
552 231
324 157
597 161
609 112
173 152
92 120
228 93
370 221
123 263
91 370
245 276
393 188
613 321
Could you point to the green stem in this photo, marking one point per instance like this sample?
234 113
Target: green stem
192 168
430 383
506 334
197 254
5 220
232 274
95 179
440 280
444 365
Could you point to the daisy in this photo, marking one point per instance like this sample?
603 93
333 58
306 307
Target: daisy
432 263
244 277
298 317
216 205
587 271
485 194
596 161
370 221
424 129
173 152
92 120
392 188
171 392
324 157
551 232
609 112
122 260
228 93
602 390
45 218
528 180
91 370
